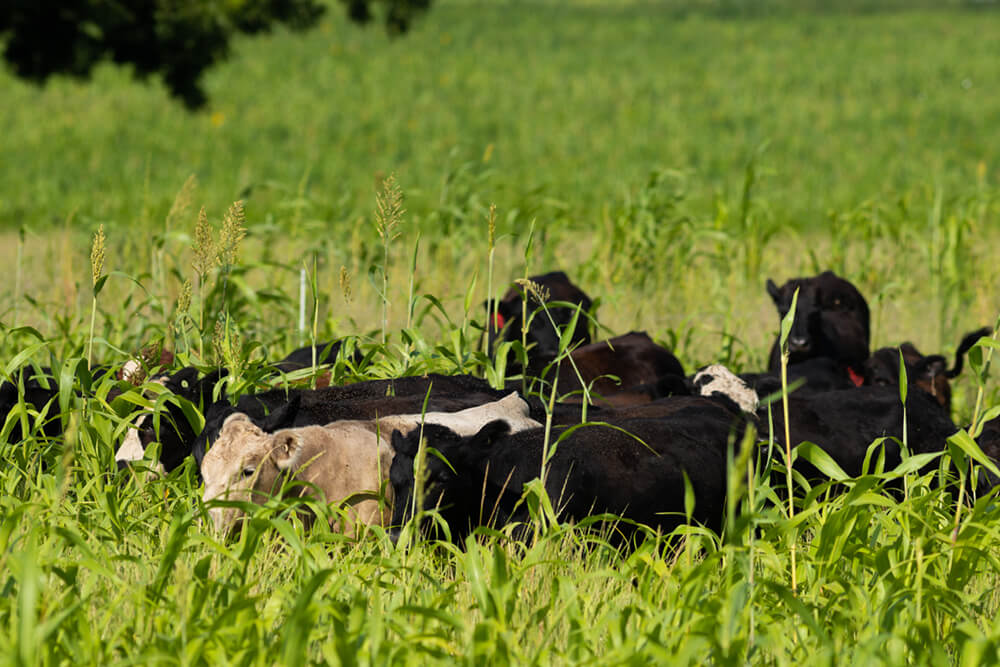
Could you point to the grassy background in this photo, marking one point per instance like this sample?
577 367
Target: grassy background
670 158
552 111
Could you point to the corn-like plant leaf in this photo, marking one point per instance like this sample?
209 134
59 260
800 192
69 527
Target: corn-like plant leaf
962 442
787 320
816 455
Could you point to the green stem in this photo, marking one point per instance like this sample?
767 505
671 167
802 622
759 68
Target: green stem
788 461
90 344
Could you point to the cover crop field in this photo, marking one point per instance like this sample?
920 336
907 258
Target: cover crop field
669 160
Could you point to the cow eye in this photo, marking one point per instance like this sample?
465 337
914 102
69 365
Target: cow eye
249 471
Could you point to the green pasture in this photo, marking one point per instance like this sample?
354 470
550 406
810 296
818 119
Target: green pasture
669 157
552 110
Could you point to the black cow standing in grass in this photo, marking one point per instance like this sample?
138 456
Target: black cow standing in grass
542 337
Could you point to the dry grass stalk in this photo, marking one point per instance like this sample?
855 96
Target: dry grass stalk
345 284
182 202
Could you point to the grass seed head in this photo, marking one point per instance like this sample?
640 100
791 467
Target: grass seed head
234 229
492 222
97 255
182 202
389 209
540 293
184 300
204 246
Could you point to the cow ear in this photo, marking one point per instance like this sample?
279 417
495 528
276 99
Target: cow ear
403 444
932 366
910 352
490 434
235 417
773 290
287 449
283 416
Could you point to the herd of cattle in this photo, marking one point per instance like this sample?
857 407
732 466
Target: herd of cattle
656 429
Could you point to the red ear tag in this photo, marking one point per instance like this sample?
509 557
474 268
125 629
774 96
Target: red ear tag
498 320
855 378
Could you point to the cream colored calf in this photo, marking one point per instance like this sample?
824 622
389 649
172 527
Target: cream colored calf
345 460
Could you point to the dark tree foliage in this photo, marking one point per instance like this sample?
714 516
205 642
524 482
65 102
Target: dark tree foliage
397 13
178 39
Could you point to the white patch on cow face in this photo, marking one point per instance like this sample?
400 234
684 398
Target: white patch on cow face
717 379
132 449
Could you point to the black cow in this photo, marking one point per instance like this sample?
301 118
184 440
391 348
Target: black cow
40 390
929 373
845 423
303 356
989 442
542 337
175 433
278 408
40 393
832 321
595 469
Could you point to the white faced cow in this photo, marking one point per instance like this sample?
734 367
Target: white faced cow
345 460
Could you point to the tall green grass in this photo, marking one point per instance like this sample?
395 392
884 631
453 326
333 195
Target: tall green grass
101 567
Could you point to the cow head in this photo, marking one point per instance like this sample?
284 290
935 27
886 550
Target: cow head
542 337
245 464
929 373
449 474
172 430
831 320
